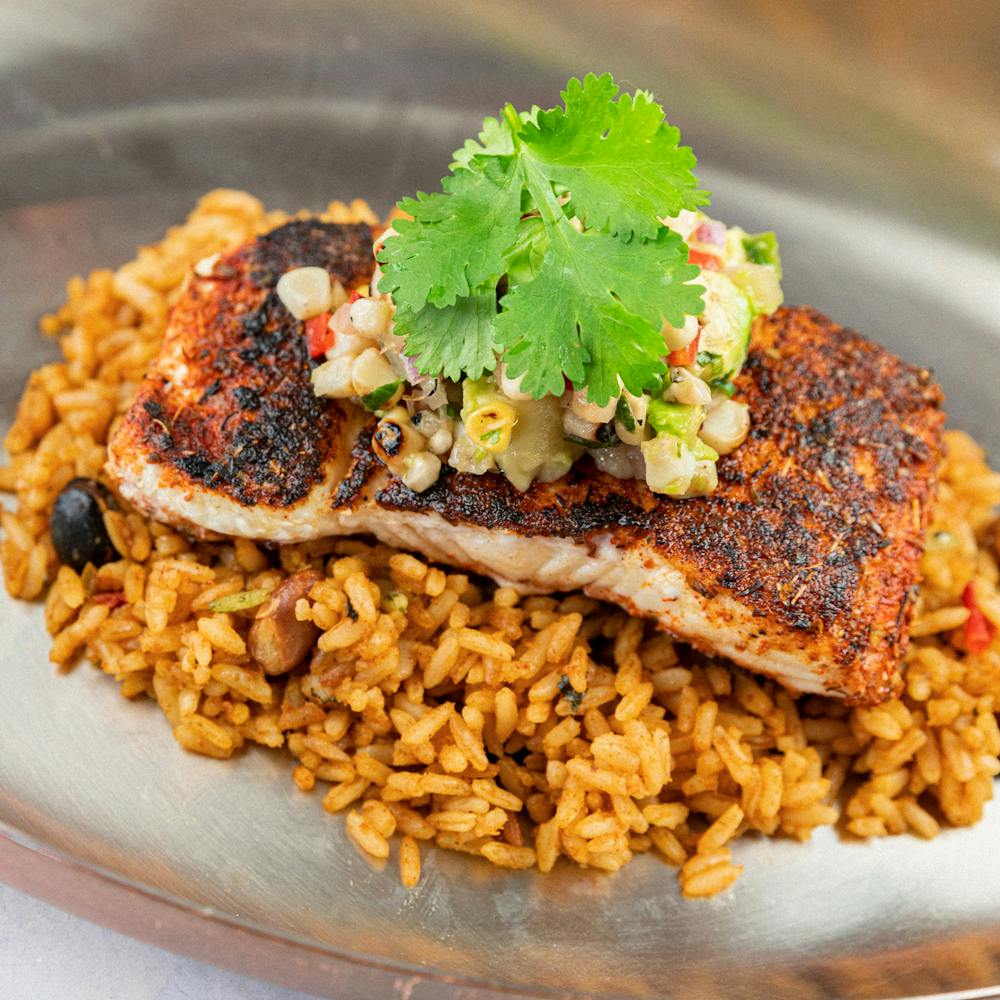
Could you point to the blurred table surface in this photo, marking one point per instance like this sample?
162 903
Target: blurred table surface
46 954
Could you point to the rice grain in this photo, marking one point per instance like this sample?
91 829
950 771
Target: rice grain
519 729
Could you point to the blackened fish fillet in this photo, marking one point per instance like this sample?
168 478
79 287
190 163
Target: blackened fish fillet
800 565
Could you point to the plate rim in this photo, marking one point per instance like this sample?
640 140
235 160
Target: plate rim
28 864
33 858
46 869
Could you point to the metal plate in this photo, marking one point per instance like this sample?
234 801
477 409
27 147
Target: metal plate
115 118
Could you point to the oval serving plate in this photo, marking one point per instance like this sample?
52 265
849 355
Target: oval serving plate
118 120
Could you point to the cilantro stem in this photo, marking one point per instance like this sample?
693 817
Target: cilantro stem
513 119
542 195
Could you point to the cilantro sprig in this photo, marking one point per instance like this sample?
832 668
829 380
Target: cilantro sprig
545 246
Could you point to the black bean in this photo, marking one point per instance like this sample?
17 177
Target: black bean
77 524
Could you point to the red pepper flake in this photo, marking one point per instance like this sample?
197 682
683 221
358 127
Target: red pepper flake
685 355
319 335
355 295
706 261
979 630
112 598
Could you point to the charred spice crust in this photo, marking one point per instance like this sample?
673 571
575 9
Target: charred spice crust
818 519
256 430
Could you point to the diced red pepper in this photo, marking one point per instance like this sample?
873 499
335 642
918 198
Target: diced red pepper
685 355
112 598
319 335
355 295
706 261
979 630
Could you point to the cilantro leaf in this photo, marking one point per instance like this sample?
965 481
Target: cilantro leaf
595 313
456 239
453 340
524 259
619 159
544 361
377 398
584 305
624 415
495 139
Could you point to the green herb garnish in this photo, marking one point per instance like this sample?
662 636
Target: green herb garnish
377 398
588 306
762 248
573 697
242 601
395 601
624 415
710 365
586 443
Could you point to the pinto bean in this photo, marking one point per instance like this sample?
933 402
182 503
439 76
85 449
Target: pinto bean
278 641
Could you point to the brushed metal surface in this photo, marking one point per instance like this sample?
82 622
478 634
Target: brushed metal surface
114 118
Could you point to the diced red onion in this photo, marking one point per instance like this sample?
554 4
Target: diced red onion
711 232
436 395
621 462
411 371
426 392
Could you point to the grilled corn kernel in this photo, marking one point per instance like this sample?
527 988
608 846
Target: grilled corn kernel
441 441
370 371
438 428
490 425
370 317
678 337
589 411
395 440
422 471
305 291
688 388
338 296
333 378
726 426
